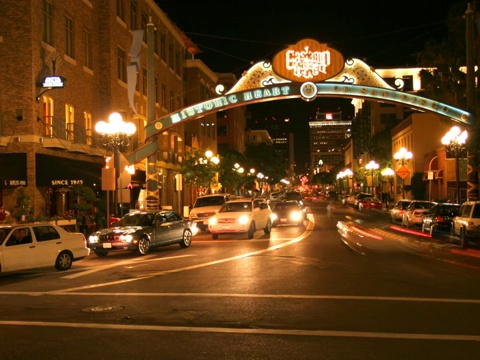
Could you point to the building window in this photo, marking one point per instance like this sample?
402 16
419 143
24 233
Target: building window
222 130
70 122
144 81
144 26
170 54
122 65
177 63
156 42
47 18
157 97
133 14
48 111
88 128
121 9
87 50
69 45
163 47
172 101
164 95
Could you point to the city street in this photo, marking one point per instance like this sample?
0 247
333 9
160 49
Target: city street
343 286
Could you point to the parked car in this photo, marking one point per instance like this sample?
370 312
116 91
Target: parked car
396 213
241 216
353 199
288 212
32 246
440 217
370 203
467 223
206 206
413 215
140 231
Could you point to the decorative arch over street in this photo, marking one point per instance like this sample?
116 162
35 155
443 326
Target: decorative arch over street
263 82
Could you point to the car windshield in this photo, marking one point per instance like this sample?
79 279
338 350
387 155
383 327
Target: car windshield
293 196
209 201
3 233
237 207
451 210
422 205
135 220
286 206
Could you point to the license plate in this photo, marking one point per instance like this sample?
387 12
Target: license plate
107 245
283 220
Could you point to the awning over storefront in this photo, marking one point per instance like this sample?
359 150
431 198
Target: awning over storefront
13 170
56 171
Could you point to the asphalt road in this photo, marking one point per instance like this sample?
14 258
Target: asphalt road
344 286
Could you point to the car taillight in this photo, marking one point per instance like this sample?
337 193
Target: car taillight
440 219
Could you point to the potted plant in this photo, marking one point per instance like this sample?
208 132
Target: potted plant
22 203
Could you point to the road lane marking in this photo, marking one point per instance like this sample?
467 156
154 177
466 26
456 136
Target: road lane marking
307 232
125 262
290 332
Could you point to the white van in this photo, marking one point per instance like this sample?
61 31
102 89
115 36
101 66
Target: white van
206 206
467 223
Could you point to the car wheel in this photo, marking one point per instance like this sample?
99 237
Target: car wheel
186 239
251 230
214 236
101 253
143 246
268 227
64 261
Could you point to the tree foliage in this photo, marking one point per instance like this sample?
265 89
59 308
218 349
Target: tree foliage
198 170
265 159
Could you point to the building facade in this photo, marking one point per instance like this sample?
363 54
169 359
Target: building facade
329 134
72 70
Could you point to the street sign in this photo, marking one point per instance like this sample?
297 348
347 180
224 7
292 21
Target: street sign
403 172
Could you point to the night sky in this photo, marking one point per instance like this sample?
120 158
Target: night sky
234 35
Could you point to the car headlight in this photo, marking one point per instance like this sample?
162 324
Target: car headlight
274 217
243 219
296 215
93 238
126 237
212 221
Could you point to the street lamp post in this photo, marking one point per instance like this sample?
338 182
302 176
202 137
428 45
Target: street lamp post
115 134
215 160
388 173
372 165
402 157
348 174
455 140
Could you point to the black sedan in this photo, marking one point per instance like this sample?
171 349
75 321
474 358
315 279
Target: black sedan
440 217
139 231
288 212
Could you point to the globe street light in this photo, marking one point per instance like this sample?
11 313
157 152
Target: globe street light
115 134
455 140
402 157
372 165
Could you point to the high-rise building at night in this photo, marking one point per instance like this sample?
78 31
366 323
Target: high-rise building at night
328 136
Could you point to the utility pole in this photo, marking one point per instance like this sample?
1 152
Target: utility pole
152 200
472 170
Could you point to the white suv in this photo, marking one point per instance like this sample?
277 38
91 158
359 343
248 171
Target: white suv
206 206
467 222
243 216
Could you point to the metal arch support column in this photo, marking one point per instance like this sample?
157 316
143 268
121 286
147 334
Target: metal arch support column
152 199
